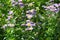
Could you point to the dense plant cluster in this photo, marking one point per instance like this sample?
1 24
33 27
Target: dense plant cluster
29 19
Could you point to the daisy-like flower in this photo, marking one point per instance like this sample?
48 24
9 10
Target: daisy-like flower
29 16
10 12
20 3
33 11
29 23
53 8
56 5
4 26
13 2
30 13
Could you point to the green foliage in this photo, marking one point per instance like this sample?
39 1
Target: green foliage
47 22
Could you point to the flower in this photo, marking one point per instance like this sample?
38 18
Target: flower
13 2
11 25
59 4
9 17
53 7
33 11
4 26
56 5
29 23
30 13
19 0
10 12
30 4
51 0
20 3
29 16
29 28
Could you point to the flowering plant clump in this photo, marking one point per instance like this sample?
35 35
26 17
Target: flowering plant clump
29 19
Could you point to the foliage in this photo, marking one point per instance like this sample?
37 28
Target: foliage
47 22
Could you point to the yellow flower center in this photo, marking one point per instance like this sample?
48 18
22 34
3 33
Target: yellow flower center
28 24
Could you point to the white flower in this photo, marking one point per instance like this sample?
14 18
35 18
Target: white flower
30 4
13 2
10 12
9 17
4 26
11 25
56 5
19 0
29 16
37 8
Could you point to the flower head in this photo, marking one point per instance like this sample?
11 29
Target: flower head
9 17
53 7
10 12
29 16
20 3
13 2
30 13
29 23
